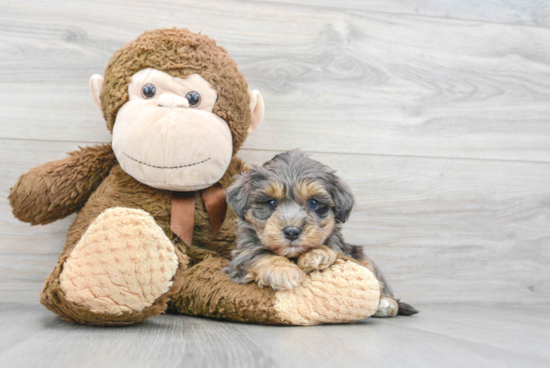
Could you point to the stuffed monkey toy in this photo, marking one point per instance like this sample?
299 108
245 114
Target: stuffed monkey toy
153 230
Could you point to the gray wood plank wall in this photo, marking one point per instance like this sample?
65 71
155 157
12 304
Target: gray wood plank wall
436 112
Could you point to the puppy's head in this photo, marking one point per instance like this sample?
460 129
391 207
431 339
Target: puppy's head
293 202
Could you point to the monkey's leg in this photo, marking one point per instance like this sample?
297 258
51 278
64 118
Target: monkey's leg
123 270
343 292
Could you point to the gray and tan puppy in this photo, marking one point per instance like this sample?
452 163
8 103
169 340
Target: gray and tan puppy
291 213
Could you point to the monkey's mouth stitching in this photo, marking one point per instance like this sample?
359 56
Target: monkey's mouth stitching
165 167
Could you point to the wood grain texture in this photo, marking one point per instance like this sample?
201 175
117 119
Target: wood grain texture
443 230
334 80
441 336
525 12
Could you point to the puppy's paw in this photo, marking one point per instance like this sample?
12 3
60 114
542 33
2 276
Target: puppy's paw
317 259
281 276
387 308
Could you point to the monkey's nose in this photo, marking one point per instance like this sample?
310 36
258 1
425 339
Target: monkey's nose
168 100
292 233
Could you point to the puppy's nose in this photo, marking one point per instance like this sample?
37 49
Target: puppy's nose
169 100
292 233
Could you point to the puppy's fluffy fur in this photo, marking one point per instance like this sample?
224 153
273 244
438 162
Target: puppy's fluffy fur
291 213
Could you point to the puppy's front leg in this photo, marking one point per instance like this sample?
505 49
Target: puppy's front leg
265 268
277 272
318 259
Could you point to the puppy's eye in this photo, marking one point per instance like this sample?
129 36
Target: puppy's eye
194 98
272 204
149 91
313 204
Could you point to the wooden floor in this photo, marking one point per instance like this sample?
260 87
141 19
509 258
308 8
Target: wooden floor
441 336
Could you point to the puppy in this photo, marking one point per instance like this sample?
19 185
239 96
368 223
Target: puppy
291 213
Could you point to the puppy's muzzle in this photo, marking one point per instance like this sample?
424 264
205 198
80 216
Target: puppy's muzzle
292 232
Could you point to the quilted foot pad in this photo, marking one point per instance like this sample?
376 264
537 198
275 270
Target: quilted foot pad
344 292
123 263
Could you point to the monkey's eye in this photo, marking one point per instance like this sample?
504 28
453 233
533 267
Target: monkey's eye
272 204
149 90
313 204
194 98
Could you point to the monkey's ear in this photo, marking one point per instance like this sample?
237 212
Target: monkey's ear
343 200
256 110
96 86
237 194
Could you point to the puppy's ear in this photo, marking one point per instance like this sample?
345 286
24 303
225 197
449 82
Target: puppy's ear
343 200
237 194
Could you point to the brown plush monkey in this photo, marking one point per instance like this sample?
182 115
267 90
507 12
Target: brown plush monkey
153 230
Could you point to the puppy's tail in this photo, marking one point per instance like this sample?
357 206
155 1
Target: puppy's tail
406 309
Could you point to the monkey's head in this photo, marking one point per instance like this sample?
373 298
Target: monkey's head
178 109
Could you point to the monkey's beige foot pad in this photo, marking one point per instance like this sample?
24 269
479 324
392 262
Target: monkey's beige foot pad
122 264
343 292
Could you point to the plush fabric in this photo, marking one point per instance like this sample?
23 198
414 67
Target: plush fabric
344 292
258 109
157 165
180 53
153 145
123 263
164 82
55 190
207 291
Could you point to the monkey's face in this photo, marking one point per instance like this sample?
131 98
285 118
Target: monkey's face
167 136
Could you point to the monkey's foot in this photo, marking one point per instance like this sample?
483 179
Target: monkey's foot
343 292
122 265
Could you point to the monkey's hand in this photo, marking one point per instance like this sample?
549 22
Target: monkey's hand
56 189
318 259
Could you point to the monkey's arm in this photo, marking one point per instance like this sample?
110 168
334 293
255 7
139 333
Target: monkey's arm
56 189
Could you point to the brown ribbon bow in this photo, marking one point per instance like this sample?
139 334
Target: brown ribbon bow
182 219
